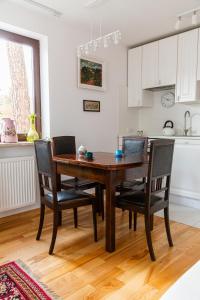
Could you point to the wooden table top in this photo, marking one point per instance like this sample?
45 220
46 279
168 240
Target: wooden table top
103 160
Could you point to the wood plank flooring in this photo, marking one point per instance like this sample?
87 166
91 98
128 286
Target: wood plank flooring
81 269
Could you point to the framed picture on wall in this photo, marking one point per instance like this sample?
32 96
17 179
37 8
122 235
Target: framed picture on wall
91 105
91 73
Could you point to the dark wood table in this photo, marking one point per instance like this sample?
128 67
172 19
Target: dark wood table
107 170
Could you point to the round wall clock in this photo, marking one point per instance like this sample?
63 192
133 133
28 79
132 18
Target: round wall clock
168 99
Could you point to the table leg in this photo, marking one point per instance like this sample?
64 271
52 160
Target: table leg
110 214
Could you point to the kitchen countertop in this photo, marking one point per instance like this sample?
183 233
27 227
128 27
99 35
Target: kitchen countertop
183 137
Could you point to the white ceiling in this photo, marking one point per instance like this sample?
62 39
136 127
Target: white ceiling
138 20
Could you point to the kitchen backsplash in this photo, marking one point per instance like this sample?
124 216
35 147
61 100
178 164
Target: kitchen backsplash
151 120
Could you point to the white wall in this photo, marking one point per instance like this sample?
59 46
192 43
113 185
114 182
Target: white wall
98 131
151 120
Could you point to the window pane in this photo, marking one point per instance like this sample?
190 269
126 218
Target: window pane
16 83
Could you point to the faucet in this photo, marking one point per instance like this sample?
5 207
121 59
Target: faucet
187 114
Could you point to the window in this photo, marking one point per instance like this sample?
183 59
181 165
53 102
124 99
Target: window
19 80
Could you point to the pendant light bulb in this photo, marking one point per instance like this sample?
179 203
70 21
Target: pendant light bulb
178 23
105 43
194 18
115 38
86 49
95 45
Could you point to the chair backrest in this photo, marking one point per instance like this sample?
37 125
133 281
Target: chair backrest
134 145
160 166
63 145
47 176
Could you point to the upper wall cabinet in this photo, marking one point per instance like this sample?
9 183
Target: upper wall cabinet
173 61
136 96
159 63
187 89
167 63
150 65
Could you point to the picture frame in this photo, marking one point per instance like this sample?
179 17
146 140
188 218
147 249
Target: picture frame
91 105
91 73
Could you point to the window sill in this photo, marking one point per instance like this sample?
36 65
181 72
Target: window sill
18 144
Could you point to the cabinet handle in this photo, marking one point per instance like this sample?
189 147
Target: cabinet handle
178 98
159 82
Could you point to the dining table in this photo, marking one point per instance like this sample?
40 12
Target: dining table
107 170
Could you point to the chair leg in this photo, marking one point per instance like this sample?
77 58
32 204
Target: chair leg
148 236
167 226
60 218
75 217
94 211
54 234
100 200
135 221
97 195
42 212
151 220
102 204
130 219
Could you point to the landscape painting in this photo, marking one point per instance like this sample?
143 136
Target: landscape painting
91 74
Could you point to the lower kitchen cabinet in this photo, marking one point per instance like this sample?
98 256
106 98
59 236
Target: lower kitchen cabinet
185 181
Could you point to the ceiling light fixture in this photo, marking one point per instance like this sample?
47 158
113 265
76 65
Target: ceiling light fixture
193 13
194 18
178 23
51 10
101 41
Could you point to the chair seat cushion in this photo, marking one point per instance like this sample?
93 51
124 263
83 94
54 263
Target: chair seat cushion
136 199
80 183
69 195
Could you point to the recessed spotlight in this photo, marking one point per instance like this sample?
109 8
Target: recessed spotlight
178 23
194 18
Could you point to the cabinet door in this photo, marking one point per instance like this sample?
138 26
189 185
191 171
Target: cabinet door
185 174
150 65
134 77
198 67
136 96
167 61
187 66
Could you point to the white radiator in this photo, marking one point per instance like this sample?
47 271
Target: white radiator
17 182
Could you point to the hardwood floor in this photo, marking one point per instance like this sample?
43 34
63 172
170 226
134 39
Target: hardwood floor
81 269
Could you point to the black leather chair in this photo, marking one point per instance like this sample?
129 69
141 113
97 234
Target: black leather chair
52 197
150 201
67 145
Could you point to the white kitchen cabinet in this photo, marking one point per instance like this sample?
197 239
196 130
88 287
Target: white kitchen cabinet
188 88
167 63
159 63
185 173
150 65
198 67
185 187
136 96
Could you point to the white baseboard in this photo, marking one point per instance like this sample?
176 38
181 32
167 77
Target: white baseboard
185 201
19 210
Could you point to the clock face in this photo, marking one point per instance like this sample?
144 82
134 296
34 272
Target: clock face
168 99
